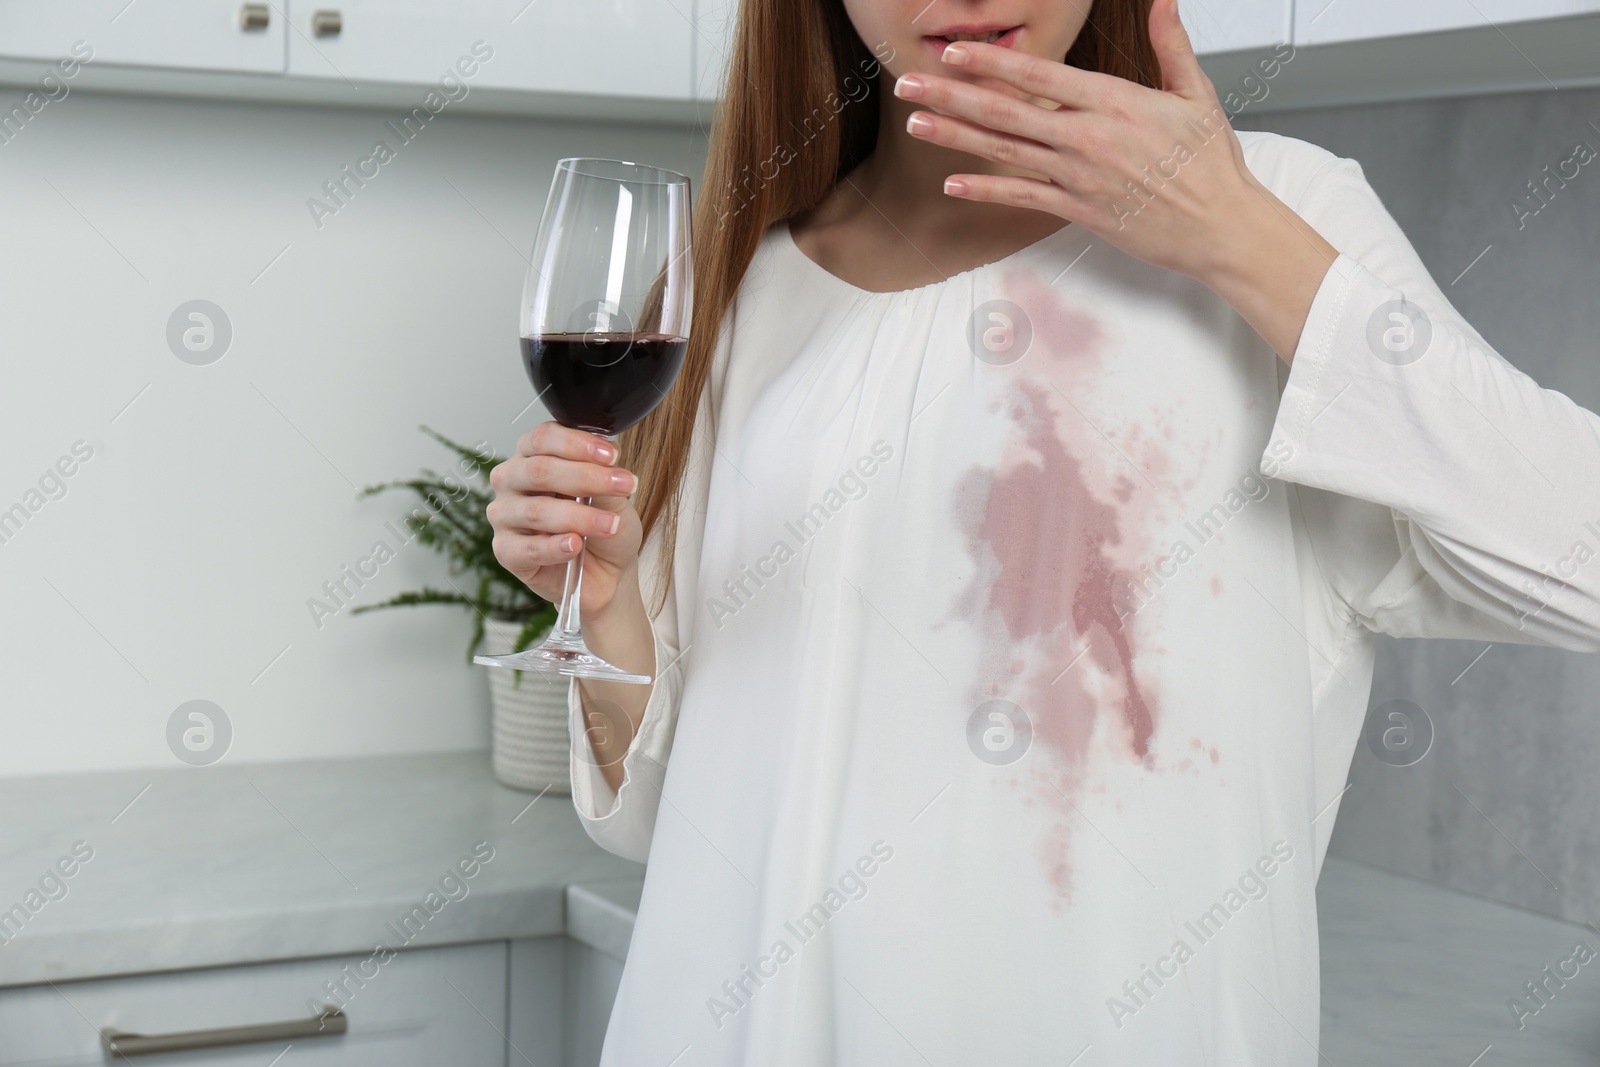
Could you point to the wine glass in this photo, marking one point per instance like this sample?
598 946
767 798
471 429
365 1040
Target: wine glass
605 322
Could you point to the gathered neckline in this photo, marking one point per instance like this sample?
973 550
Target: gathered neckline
786 237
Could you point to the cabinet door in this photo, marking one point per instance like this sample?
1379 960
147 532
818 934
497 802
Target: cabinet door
634 48
421 1008
593 979
1327 21
1236 25
539 1001
181 34
561 995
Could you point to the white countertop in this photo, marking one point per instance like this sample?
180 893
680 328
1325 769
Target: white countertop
246 863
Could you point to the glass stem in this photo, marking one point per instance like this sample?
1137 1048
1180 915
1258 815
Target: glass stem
568 627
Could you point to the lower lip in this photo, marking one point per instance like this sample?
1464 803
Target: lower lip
1005 40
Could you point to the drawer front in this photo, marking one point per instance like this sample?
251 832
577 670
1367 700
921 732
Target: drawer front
422 1007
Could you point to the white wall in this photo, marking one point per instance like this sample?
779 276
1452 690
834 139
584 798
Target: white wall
179 563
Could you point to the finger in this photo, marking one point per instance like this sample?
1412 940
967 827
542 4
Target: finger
1180 67
1018 192
985 107
611 503
526 553
964 136
1084 90
554 439
551 515
550 474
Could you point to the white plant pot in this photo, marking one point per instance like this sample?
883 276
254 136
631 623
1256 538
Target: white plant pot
529 734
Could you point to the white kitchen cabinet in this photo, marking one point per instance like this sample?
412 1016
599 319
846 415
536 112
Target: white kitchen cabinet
626 48
421 1008
1236 25
1328 21
593 978
176 34
562 992
574 979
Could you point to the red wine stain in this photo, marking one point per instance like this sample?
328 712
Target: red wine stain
1046 535
1052 529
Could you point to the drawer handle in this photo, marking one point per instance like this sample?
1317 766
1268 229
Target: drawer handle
254 16
326 23
329 1022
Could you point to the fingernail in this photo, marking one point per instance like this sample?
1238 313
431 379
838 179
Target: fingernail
623 482
956 54
570 544
955 186
611 523
605 453
919 123
908 87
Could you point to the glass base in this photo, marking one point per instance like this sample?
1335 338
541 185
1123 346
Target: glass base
571 657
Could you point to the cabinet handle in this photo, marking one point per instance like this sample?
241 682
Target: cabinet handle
254 16
326 23
328 1022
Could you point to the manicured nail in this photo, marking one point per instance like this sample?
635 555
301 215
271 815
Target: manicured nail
623 482
955 186
908 87
570 545
605 453
611 523
956 54
919 123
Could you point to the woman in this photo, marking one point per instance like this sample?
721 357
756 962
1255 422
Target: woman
1045 463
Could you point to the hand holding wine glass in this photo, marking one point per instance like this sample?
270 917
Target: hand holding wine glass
539 524
605 323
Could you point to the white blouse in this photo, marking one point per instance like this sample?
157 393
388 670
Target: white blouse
1020 633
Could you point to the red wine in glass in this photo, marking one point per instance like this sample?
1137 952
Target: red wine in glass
605 323
603 383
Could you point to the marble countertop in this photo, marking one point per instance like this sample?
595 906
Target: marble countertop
601 914
1414 973
217 865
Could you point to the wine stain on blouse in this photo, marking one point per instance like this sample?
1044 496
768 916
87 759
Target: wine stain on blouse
1056 531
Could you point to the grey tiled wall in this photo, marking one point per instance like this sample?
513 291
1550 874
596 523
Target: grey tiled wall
1507 802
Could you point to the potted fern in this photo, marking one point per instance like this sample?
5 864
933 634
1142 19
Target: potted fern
530 740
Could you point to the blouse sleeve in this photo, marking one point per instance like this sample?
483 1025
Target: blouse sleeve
1446 493
622 821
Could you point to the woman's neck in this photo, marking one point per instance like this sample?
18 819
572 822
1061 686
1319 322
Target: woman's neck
889 225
